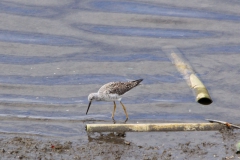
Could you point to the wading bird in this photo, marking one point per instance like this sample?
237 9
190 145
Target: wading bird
112 92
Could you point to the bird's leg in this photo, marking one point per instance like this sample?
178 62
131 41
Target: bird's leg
114 109
124 108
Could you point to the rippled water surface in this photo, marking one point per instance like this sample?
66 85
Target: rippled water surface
54 53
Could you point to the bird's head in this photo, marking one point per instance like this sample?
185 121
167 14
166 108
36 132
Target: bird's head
91 97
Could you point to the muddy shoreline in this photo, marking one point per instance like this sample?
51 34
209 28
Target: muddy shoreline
118 146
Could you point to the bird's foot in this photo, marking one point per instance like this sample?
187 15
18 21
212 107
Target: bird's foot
126 120
113 120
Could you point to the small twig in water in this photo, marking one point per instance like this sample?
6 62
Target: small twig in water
229 125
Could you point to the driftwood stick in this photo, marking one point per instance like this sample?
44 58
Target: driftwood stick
225 123
154 127
201 92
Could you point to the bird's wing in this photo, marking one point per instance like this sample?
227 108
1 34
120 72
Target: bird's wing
118 87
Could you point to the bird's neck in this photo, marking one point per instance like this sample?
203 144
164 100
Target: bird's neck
97 97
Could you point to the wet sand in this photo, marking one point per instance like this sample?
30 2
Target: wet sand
172 145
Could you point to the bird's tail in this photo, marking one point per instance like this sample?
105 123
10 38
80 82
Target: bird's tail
136 82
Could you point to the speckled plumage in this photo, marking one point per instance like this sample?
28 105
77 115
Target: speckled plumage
113 90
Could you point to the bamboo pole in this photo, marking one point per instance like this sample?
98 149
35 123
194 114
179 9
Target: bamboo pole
201 92
160 127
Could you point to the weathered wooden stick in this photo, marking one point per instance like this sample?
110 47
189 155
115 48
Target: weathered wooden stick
160 127
202 95
223 122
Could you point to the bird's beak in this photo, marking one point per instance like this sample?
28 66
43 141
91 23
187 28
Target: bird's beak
88 106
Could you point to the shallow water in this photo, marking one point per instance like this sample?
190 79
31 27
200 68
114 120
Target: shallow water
53 54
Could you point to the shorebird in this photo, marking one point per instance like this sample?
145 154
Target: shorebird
113 91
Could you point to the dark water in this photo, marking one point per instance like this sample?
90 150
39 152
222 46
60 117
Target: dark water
53 54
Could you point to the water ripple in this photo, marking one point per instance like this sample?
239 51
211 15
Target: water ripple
37 11
167 116
39 129
85 79
138 99
37 38
15 8
81 57
145 32
155 9
214 49
13 98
